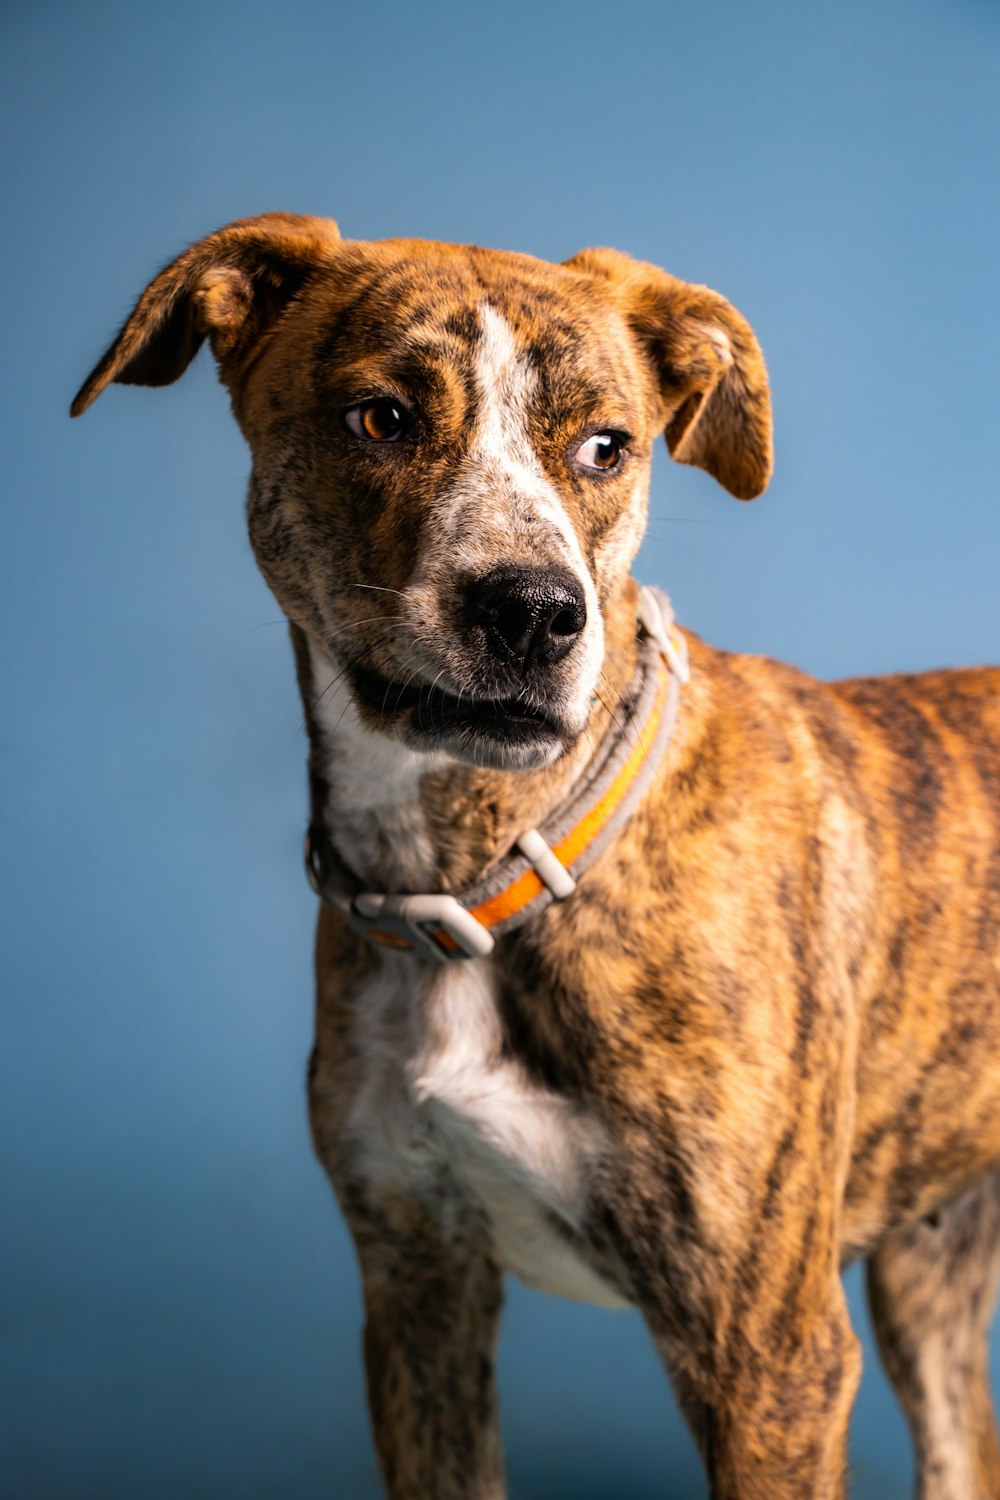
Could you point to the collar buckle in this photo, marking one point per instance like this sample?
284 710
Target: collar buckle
422 926
436 926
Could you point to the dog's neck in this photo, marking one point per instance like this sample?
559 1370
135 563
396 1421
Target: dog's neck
404 820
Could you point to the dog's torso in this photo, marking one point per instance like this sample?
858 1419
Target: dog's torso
801 949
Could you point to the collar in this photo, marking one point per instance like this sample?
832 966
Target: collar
544 864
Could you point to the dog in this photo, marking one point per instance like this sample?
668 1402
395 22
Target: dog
653 974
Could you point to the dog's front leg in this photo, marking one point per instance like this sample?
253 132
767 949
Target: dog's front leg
431 1287
432 1295
769 1401
754 1332
432 1301
777 1426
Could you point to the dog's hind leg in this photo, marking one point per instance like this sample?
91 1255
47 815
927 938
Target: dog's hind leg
932 1289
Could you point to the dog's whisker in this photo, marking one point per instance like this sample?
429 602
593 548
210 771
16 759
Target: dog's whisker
266 625
431 692
672 544
622 730
373 619
338 677
683 520
404 684
624 727
304 726
340 716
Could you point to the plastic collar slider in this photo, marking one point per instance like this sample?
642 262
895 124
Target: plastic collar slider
652 621
415 921
547 867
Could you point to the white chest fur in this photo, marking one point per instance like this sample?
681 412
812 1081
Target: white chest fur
438 1089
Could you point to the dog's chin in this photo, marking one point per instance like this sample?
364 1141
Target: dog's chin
502 734
500 748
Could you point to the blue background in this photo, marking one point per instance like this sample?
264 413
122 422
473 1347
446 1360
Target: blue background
180 1303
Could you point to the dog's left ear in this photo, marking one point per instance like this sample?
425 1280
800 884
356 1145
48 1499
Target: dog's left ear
713 381
230 287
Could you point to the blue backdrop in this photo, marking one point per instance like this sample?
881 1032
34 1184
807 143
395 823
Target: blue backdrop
180 1309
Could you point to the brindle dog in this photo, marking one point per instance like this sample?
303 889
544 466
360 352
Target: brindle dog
762 1037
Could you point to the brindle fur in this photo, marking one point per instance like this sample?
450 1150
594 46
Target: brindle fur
777 994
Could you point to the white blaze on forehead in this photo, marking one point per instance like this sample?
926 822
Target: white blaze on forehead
504 498
507 385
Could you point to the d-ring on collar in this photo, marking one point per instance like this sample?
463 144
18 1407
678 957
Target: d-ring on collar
546 863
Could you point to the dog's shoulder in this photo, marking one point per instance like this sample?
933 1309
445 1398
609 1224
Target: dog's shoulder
909 723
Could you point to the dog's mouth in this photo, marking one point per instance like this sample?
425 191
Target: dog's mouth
431 712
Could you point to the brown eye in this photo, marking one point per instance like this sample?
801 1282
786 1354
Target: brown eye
380 421
602 451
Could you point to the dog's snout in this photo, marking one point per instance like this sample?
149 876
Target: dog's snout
530 615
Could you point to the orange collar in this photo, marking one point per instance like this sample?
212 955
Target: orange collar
545 864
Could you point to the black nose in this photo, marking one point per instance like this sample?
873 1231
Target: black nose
530 615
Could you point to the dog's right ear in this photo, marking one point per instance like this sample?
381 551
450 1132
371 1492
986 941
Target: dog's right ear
229 287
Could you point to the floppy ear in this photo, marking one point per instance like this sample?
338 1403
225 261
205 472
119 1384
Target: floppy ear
230 287
712 374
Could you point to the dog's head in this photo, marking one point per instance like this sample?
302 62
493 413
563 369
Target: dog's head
451 454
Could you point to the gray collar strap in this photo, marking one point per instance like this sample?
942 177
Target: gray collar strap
545 864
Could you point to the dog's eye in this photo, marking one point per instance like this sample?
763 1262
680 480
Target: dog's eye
380 421
602 451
